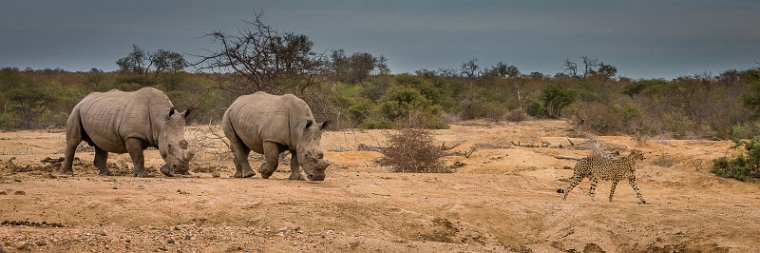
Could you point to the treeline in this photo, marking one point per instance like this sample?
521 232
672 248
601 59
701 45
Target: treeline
358 90
722 106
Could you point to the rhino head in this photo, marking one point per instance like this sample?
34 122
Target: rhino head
172 144
310 155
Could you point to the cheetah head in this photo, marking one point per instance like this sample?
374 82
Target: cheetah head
636 155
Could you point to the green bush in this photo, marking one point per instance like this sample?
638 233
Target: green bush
555 98
741 167
408 104
536 109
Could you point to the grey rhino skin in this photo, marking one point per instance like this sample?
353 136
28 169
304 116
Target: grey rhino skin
120 122
269 125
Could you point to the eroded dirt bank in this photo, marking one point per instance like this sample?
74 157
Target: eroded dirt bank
502 199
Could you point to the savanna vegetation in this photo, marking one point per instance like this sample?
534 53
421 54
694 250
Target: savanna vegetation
358 90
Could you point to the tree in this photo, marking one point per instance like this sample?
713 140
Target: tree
269 60
570 68
161 60
469 69
133 62
502 70
29 103
357 67
164 60
382 65
555 98
606 72
592 67
588 66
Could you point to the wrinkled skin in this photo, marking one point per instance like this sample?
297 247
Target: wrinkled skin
128 122
270 125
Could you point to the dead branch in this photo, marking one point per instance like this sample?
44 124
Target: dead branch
531 145
466 154
443 146
567 157
364 147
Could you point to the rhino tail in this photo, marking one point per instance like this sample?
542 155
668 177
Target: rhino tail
74 135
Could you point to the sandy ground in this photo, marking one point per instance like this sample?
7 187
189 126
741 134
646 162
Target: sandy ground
503 199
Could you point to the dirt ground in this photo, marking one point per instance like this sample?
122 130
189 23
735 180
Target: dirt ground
502 198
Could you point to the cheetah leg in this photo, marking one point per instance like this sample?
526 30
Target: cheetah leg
574 181
635 187
592 189
612 190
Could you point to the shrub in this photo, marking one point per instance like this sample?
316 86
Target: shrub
741 167
604 119
401 101
516 115
413 150
555 98
664 160
536 109
478 108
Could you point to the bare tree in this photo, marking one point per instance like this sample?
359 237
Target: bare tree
133 62
588 66
571 68
269 60
469 69
592 67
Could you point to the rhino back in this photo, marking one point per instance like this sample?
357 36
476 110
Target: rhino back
110 118
261 117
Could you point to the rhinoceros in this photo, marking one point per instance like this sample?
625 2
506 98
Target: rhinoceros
269 125
120 122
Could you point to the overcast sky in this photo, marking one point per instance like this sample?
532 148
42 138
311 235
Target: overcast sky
642 38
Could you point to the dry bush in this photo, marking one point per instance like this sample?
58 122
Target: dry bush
664 160
413 150
517 115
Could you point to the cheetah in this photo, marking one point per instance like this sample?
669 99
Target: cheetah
597 167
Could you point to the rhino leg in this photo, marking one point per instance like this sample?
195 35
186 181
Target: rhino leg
295 168
101 156
271 156
242 167
135 148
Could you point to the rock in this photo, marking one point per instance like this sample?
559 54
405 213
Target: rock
170 241
593 248
19 193
23 245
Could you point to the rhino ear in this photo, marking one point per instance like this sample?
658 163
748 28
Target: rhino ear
308 124
186 113
324 125
171 112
